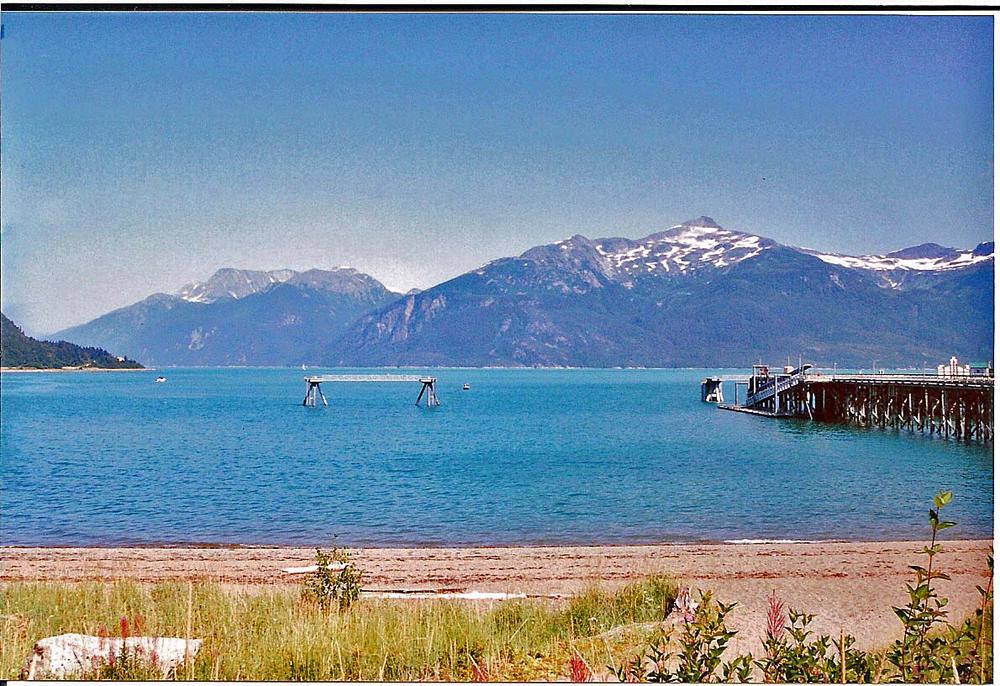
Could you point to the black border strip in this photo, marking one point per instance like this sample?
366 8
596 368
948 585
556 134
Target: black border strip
469 7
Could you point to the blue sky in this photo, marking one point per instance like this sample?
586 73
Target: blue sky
143 151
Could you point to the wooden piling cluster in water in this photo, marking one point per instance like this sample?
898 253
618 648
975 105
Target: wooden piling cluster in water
959 407
428 387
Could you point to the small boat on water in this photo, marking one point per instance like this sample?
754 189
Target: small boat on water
465 387
161 379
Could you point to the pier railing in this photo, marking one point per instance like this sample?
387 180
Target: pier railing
931 379
351 378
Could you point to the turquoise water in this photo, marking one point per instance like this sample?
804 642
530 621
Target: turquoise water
524 457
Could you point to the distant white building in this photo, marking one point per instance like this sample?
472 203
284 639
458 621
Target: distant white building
981 369
953 368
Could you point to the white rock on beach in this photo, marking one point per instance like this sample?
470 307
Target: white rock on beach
69 655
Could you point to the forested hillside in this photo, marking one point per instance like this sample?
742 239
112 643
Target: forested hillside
18 350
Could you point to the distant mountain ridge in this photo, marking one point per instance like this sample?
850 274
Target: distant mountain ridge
925 257
228 283
19 350
239 317
696 294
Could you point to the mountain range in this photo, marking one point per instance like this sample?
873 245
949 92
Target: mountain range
694 295
239 317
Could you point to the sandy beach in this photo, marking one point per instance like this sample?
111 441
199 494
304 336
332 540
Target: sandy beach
847 585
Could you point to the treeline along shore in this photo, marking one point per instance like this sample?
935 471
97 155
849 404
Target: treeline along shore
19 352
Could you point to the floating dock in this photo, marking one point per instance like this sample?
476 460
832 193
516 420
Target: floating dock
428 387
959 407
759 413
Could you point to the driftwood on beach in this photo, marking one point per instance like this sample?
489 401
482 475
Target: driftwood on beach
77 655
676 615
313 568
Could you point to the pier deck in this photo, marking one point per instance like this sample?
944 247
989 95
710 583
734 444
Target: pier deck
355 378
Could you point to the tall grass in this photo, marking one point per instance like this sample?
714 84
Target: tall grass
271 633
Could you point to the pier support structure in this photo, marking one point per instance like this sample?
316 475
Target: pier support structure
963 411
312 390
946 406
428 385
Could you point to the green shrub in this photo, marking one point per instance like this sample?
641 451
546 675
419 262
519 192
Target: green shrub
330 588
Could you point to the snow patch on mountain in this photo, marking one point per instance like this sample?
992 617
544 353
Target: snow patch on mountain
955 259
681 249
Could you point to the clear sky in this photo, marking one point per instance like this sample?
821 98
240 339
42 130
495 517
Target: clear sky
143 151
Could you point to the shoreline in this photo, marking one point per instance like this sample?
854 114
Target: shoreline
459 546
849 585
33 370
261 564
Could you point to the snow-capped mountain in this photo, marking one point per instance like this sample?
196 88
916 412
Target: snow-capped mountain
239 283
701 243
232 283
693 245
695 294
239 317
578 264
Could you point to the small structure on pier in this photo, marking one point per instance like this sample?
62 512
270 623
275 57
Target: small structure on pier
953 368
957 406
428 387
711 390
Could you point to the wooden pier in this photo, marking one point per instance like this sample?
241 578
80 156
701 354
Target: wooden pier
428 387
959 407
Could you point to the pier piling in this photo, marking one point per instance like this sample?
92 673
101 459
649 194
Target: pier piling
959 407
428 388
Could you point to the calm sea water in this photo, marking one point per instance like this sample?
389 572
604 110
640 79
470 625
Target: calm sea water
524 457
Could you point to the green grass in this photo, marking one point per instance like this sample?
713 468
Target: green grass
272 633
